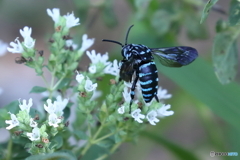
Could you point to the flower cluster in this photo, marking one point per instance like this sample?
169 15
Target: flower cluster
153 110
24 121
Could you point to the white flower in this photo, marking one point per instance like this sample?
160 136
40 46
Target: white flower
71 21
25 106
163 111
33 123
86 43
54 13
89 86
3 48
96 58
137 115
69 43
29 42
151 117
26 32
35 135
13 122
162 94
79 77
16 47
53 120
60 105
113 68
50 107
92 69
121 110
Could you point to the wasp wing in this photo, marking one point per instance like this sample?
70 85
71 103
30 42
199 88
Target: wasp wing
175 56
127 70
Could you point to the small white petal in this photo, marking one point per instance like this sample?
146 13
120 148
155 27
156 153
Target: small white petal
26 32
86 43
79 77
121 110
35 135
25 106
53 120
163 111
137 115
16 47
113 68
162 94
92 69
152 117
54 13
60 105
50 107
89 86
13 122
71 21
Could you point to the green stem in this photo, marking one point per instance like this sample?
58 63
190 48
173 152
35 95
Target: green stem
103 137
9 149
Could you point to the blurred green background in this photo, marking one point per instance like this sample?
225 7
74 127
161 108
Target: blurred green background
207 113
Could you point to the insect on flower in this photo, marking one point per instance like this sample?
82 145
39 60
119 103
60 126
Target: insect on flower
138 59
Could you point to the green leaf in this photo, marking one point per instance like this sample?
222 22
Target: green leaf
107 143
225 55
57 142
38 89
81 135
12 107
180 152
234 14
52 156
4 115
199 80
207 8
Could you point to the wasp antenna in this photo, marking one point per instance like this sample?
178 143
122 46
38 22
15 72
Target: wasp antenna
128 33
107 40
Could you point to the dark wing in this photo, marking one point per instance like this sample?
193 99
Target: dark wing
175 56
126 71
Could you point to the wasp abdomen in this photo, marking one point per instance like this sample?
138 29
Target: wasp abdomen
148 76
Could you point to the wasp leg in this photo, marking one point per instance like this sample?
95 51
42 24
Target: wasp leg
132 94
156 98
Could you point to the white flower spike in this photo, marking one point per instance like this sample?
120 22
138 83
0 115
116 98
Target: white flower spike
163 111
137 115
25 106
71 21
54 13
16 47
151 117
86 43
53 120
89 86
13 122
35 135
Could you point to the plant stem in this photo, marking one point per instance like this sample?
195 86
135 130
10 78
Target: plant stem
9 149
